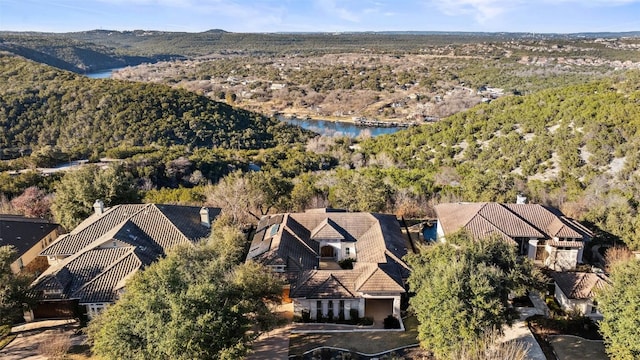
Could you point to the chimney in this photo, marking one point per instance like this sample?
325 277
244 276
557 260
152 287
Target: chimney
521 199
98 206
205 220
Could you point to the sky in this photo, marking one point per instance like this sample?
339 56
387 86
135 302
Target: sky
538 16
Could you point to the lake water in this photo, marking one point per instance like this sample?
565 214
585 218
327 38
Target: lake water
102 74
336 128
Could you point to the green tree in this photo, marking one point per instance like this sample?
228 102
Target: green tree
197 303
78 190
357 191
462 289
620 308
13 288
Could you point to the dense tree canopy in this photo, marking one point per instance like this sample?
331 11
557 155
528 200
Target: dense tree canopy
13 288
78 190
45 108
197 303
462 289
620 307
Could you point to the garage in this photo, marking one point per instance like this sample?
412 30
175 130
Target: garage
378 309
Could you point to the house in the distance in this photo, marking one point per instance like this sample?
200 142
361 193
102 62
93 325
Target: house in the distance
28 236
575 291
539 232
308 249
91 264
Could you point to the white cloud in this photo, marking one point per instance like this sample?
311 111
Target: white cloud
481 10
486 10
330 7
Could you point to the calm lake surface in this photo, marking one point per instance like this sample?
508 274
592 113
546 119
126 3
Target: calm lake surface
334 128
102 74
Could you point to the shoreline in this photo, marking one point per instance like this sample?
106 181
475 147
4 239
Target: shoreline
349 120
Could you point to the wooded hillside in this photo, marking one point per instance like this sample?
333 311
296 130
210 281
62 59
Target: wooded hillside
41 106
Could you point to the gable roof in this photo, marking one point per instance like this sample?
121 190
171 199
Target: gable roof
23 233
579 285
377 238
509 221
115 246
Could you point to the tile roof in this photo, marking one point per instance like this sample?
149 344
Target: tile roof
23 233
377 238
565 243
318 284
579 285
125 238
509 221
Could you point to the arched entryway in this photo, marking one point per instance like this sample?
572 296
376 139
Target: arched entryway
327 251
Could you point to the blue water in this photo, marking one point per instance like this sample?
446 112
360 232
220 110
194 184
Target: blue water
430 233
335 128
102 74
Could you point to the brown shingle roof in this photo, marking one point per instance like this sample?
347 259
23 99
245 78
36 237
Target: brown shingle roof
579 285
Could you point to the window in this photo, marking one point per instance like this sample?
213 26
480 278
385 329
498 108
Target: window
594 307
95 309
347 251
318 309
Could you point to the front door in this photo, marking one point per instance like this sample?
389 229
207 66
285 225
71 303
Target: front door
327 251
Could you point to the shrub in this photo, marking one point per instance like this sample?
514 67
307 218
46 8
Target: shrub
55 345
391 322
306 316
354 315
366 321
346 264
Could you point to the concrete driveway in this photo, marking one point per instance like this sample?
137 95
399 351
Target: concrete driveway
31 335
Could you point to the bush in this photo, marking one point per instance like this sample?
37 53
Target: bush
366 321
55 345
391 322
306 316
346 264
4 330
354 315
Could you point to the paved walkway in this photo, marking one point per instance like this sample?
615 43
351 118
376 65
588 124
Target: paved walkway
44 324
272 345
569 347
31 335
520 331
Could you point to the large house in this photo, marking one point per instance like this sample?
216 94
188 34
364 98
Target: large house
539 232
91 264
575 291
308 248
28 236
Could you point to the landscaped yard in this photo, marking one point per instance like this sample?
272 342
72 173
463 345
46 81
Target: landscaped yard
368 342
575 348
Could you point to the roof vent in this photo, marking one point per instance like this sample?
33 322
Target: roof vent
98 206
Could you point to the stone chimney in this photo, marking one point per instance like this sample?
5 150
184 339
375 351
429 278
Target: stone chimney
98 206
521 199
205 220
